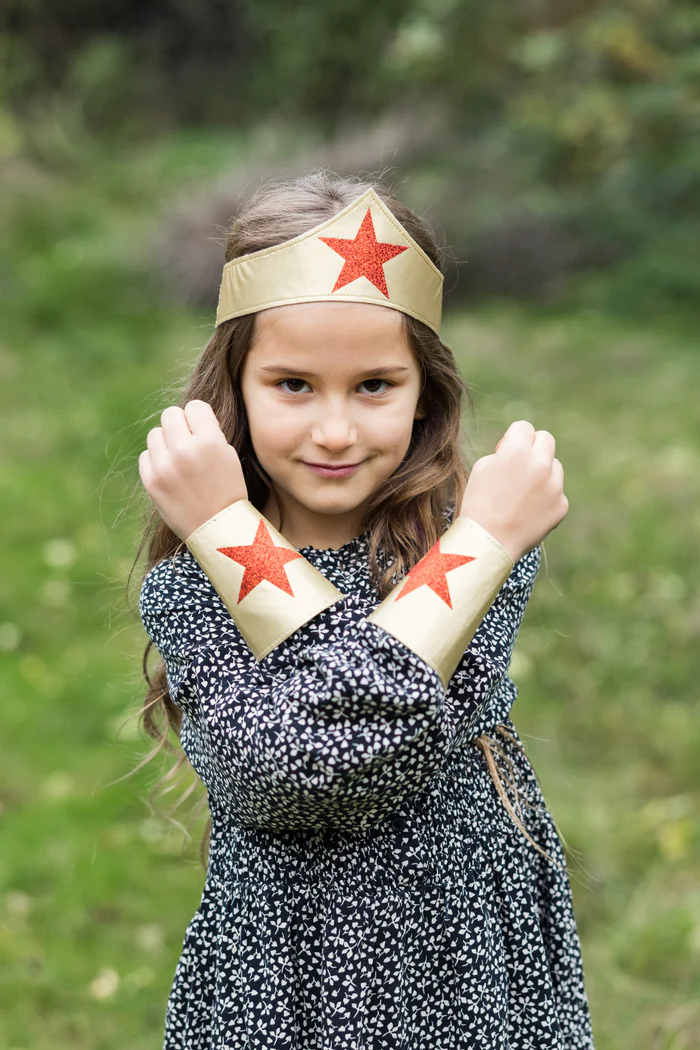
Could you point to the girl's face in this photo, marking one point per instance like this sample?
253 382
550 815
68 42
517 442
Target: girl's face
330 383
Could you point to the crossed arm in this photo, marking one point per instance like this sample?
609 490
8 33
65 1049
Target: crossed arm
338 732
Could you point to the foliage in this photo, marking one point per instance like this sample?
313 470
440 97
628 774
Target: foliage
571 129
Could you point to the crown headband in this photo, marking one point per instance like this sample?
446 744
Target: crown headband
362 255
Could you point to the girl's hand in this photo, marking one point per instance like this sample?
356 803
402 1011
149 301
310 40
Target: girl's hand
189 470
517 494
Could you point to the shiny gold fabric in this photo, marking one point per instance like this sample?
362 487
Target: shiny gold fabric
306 268
269 589
436 609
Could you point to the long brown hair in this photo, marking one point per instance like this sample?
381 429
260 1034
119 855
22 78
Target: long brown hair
407 514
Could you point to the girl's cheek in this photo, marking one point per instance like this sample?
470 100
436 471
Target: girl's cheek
275 434
390 427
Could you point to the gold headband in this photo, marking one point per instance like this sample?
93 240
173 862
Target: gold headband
364 256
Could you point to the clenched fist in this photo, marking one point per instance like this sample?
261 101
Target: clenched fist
189 470
517 494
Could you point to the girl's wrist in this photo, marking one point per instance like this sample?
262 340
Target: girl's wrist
437 608
505 537
199 522
268 587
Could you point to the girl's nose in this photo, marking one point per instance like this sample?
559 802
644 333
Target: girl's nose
336 430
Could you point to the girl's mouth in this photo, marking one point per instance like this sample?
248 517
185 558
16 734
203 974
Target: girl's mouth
325 471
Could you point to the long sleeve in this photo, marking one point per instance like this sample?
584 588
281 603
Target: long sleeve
479 687
340 724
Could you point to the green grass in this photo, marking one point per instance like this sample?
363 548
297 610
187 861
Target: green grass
95 893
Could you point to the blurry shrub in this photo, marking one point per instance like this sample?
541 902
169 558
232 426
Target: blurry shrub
571 129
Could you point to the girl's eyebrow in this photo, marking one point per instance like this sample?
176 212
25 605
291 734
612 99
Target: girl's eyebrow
286 370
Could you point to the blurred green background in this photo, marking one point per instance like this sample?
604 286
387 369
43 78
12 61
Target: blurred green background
556 147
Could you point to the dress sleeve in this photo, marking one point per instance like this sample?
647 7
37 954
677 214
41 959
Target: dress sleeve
342 720
483 667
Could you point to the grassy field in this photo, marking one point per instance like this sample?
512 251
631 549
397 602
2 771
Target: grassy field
95 890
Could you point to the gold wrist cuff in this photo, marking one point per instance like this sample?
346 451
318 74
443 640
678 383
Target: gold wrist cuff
268 587
436 609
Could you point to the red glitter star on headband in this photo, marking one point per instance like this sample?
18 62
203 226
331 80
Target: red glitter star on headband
431 570
364 255
262 561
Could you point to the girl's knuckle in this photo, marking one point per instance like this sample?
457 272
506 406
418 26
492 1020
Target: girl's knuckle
165 477
188 455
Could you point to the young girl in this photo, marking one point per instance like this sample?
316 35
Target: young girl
336 642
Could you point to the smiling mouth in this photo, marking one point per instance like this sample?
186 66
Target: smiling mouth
332 471
332 466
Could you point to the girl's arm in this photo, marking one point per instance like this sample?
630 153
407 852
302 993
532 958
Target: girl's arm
270 590
316 724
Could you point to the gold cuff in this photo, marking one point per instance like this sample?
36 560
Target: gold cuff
269 588
437 618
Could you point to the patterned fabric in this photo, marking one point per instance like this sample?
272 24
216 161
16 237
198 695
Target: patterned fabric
366 888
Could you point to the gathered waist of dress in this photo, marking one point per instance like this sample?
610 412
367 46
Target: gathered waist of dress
326 861
430 839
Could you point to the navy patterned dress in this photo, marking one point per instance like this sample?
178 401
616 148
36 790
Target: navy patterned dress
366 887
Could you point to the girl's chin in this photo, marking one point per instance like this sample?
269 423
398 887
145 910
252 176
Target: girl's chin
320 502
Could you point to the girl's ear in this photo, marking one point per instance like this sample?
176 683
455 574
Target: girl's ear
420 411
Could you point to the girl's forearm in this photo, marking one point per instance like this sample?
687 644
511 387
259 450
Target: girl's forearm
271 590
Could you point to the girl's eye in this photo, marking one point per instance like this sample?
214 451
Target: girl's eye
283 381
303 381
376 392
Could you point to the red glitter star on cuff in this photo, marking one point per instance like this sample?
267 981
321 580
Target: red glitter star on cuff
262 561
364 255
431 570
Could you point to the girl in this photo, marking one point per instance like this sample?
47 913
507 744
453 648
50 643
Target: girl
336 641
